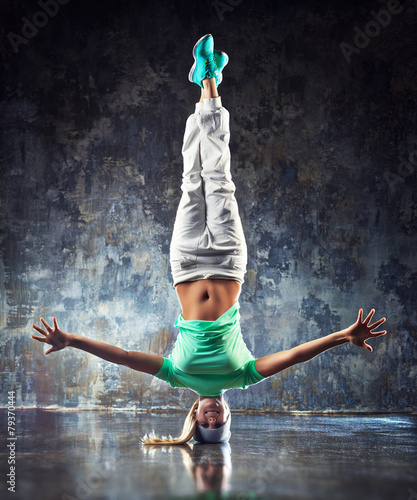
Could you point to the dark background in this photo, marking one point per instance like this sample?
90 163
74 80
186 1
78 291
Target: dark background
94 98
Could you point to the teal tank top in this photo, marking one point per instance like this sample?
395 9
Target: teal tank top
210 357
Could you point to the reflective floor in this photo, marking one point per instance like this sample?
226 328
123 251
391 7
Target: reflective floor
97 455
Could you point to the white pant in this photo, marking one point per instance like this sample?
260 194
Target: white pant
208 239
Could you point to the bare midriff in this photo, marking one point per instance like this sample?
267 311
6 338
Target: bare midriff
207 300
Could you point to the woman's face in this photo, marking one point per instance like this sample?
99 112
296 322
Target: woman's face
211 413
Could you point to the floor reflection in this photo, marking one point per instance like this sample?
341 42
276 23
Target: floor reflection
92 455
209 466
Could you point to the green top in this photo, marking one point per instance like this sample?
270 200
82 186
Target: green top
210 357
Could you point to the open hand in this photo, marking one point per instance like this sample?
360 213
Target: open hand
54 337
361 330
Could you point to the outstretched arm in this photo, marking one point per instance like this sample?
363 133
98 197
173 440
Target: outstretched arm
356 334
58 339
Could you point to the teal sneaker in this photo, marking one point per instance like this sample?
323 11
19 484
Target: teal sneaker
204 61
221 59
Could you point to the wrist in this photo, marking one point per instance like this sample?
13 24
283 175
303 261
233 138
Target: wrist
341 337
72 339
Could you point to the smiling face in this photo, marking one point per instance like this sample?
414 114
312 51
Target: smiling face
211 413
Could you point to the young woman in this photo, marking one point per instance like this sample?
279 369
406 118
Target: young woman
208 262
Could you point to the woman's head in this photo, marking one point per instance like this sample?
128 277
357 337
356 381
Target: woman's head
208 421
211 412
213 420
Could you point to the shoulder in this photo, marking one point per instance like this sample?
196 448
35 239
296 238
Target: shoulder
164 373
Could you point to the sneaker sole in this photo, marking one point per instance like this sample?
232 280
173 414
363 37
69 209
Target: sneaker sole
226 63
190 75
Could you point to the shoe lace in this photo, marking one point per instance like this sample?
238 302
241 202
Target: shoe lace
211 67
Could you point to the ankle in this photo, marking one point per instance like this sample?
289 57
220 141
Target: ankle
209 88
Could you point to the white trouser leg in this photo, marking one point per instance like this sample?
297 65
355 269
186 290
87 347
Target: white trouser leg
191 213
208 239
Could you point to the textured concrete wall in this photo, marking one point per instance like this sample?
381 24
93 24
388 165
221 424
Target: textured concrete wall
323 103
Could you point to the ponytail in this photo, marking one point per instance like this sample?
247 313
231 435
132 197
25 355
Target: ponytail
186 434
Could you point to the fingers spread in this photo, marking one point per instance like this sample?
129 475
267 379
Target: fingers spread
377 323
45 324
39 329
369 317
41 339
377 334
367 346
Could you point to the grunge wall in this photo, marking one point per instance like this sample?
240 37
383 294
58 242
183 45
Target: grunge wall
322 96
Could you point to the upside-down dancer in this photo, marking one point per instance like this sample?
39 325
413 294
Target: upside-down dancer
208 262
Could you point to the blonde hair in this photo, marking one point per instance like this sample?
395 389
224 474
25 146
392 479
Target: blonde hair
187 432
185 436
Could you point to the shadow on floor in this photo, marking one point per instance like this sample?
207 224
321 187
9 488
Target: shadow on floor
97 455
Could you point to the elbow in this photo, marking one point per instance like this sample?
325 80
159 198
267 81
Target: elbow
126 359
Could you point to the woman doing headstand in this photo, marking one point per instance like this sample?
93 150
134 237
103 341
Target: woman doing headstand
208 262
